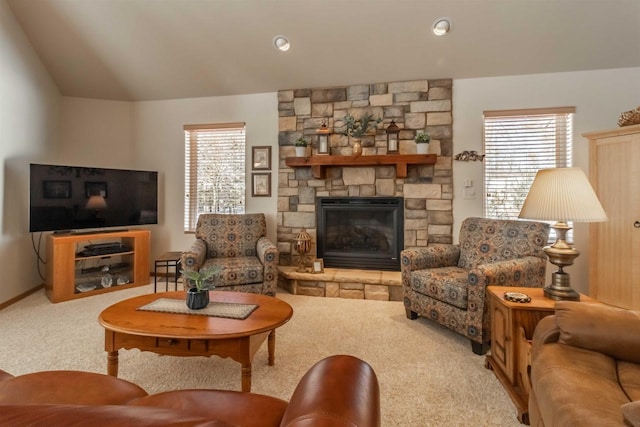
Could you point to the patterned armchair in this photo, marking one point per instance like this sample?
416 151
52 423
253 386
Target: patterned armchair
447 283
238 245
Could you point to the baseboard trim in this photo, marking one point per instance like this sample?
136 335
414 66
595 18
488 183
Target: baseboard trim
21 296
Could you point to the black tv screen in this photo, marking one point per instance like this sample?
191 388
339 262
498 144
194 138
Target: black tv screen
70 198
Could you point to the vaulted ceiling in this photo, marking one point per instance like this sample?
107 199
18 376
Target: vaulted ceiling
167 49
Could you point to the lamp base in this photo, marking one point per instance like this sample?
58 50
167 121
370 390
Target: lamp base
561 254
560 295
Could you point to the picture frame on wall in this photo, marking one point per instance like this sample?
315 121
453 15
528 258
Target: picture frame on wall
95 188
56 189
261 184
261 158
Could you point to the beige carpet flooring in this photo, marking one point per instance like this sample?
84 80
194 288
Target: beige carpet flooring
428 375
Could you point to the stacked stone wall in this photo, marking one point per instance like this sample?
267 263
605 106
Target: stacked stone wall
420 105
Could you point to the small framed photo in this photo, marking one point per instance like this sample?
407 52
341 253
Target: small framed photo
261 158
95 189
318 266
261 185
56 189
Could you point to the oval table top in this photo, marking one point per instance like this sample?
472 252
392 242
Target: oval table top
125 317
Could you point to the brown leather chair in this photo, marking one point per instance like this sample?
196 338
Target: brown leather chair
337 391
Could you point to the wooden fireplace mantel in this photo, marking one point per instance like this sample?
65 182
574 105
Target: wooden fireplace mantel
320 163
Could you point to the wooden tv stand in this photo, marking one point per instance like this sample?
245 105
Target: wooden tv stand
72 274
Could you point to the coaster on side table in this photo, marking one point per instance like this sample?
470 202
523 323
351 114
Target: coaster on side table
517 297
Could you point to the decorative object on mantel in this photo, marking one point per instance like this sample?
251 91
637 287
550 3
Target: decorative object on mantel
302 245
393 136
323 139
301 147
356 129
629 118
469 156
422 140
199 284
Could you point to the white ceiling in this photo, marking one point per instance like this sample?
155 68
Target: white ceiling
167 49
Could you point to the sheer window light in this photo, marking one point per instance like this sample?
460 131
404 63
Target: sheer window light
214 170
517 144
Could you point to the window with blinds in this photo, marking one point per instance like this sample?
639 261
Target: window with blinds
518 143
214 170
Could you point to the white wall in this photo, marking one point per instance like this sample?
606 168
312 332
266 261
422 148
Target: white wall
95 133
28 132
599 97
159 145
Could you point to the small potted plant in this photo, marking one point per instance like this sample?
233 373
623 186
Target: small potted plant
301 147
422 140
200 283
356 129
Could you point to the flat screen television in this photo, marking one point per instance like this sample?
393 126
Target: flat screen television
73 198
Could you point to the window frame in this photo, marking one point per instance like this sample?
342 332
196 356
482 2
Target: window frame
522 127
191 162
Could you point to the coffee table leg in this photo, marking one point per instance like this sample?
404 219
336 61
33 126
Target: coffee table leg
112 363
246 377
271 345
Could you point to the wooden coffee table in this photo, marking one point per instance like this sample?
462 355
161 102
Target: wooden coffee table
194 335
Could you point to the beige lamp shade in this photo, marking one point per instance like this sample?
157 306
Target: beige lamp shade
562 194
96 202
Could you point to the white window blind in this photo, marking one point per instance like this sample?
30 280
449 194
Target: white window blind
518 143
214 170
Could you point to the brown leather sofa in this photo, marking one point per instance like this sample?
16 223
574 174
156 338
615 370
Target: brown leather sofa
337 391
585 367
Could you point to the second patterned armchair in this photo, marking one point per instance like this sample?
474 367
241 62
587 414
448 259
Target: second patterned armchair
447 283
237 244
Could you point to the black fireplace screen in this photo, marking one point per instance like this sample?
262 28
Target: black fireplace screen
360 232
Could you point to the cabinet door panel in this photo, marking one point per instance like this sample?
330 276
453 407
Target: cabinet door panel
615 266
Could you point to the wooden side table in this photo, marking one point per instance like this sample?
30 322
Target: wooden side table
512 326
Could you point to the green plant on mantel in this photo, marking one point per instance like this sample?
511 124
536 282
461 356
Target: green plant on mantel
202 279
358 128
300 142
422 138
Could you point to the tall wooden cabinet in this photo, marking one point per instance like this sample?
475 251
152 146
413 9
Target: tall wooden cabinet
614 248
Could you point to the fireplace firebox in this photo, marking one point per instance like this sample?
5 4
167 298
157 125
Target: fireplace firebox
360 232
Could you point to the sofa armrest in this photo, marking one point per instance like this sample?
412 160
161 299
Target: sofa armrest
430 257
589 326
268 255
68 387
338 390
192 259
267 251
546 332
527 271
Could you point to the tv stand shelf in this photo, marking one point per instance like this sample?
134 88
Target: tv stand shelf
71 275
400 161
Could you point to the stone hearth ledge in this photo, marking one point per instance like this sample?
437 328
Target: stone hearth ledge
343 283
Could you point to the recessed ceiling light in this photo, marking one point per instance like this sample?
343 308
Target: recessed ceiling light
281 43
441 27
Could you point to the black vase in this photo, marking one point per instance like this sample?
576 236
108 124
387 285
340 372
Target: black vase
196 299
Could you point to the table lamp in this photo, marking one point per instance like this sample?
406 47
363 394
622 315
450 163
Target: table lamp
562 195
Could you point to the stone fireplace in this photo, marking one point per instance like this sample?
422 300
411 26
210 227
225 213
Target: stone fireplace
426 190
360 232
